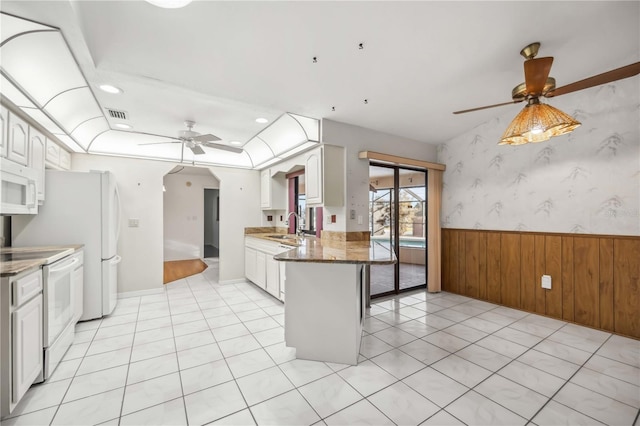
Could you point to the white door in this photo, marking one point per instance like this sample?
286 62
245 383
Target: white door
110 215
110 284
26 347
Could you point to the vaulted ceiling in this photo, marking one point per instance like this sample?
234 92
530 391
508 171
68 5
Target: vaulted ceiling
224 64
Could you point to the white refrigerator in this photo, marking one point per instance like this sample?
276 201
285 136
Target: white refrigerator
80 208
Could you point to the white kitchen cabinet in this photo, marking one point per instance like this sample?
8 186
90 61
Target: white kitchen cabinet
65 160
57 157
272 284
250 261
37 152
21 335
4 137
324 175
26 346
53 153
261 269
273 191
313 177
18 140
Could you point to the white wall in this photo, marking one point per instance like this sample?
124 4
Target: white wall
584 182
184 215
356 139
140 185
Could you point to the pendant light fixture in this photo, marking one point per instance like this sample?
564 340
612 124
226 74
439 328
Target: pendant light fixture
537 122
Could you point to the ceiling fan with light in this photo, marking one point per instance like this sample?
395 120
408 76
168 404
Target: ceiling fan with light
195 141
538 122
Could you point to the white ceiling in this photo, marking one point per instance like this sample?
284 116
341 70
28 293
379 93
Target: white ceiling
223 64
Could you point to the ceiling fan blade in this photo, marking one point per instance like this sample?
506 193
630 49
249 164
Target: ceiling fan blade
536 72
158 143
597 80
223 147
197 149
486 107
206 138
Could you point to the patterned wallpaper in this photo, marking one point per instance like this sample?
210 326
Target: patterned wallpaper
586 182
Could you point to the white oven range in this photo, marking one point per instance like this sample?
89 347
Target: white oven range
61 280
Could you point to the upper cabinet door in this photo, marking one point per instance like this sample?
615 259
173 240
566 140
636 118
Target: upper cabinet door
4 137
18 146
313 177
265 189
37 151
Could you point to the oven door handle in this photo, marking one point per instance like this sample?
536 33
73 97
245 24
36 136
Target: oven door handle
64 267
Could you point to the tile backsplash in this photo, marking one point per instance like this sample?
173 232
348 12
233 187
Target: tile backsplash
585 182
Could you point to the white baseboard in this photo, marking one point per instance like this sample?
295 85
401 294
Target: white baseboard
139 293
235 281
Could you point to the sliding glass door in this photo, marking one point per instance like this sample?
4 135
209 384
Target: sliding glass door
397 217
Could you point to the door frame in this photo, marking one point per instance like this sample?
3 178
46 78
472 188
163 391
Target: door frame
395 228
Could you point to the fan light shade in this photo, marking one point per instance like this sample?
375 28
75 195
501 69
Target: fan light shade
537 122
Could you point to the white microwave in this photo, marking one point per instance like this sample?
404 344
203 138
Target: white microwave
17 189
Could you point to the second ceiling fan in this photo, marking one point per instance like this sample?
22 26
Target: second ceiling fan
538 83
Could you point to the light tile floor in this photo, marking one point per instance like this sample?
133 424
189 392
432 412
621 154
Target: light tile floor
208 353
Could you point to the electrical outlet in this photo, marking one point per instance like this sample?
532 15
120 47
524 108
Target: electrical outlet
546 282
269 218
333 218
134 223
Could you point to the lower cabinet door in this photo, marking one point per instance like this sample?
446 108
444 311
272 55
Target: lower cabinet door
261 269
273 277
26 348
250 259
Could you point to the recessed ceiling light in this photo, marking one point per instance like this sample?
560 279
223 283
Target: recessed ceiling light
122 126
169 4
237 143
110 89
261 120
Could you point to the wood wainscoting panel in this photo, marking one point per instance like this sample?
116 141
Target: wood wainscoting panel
567 279
586 269
595 278
510 270
528 279
493 267
539 257
482 266
472 264
552 267
605 286
626 291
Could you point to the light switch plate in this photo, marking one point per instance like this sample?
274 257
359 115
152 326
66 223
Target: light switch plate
546 282
134 223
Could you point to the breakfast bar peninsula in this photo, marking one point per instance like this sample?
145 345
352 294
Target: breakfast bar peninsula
326 301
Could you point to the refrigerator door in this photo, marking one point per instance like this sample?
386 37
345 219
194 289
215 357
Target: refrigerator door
110 284
110 215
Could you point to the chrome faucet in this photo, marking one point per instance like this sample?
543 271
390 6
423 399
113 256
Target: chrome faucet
300 222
